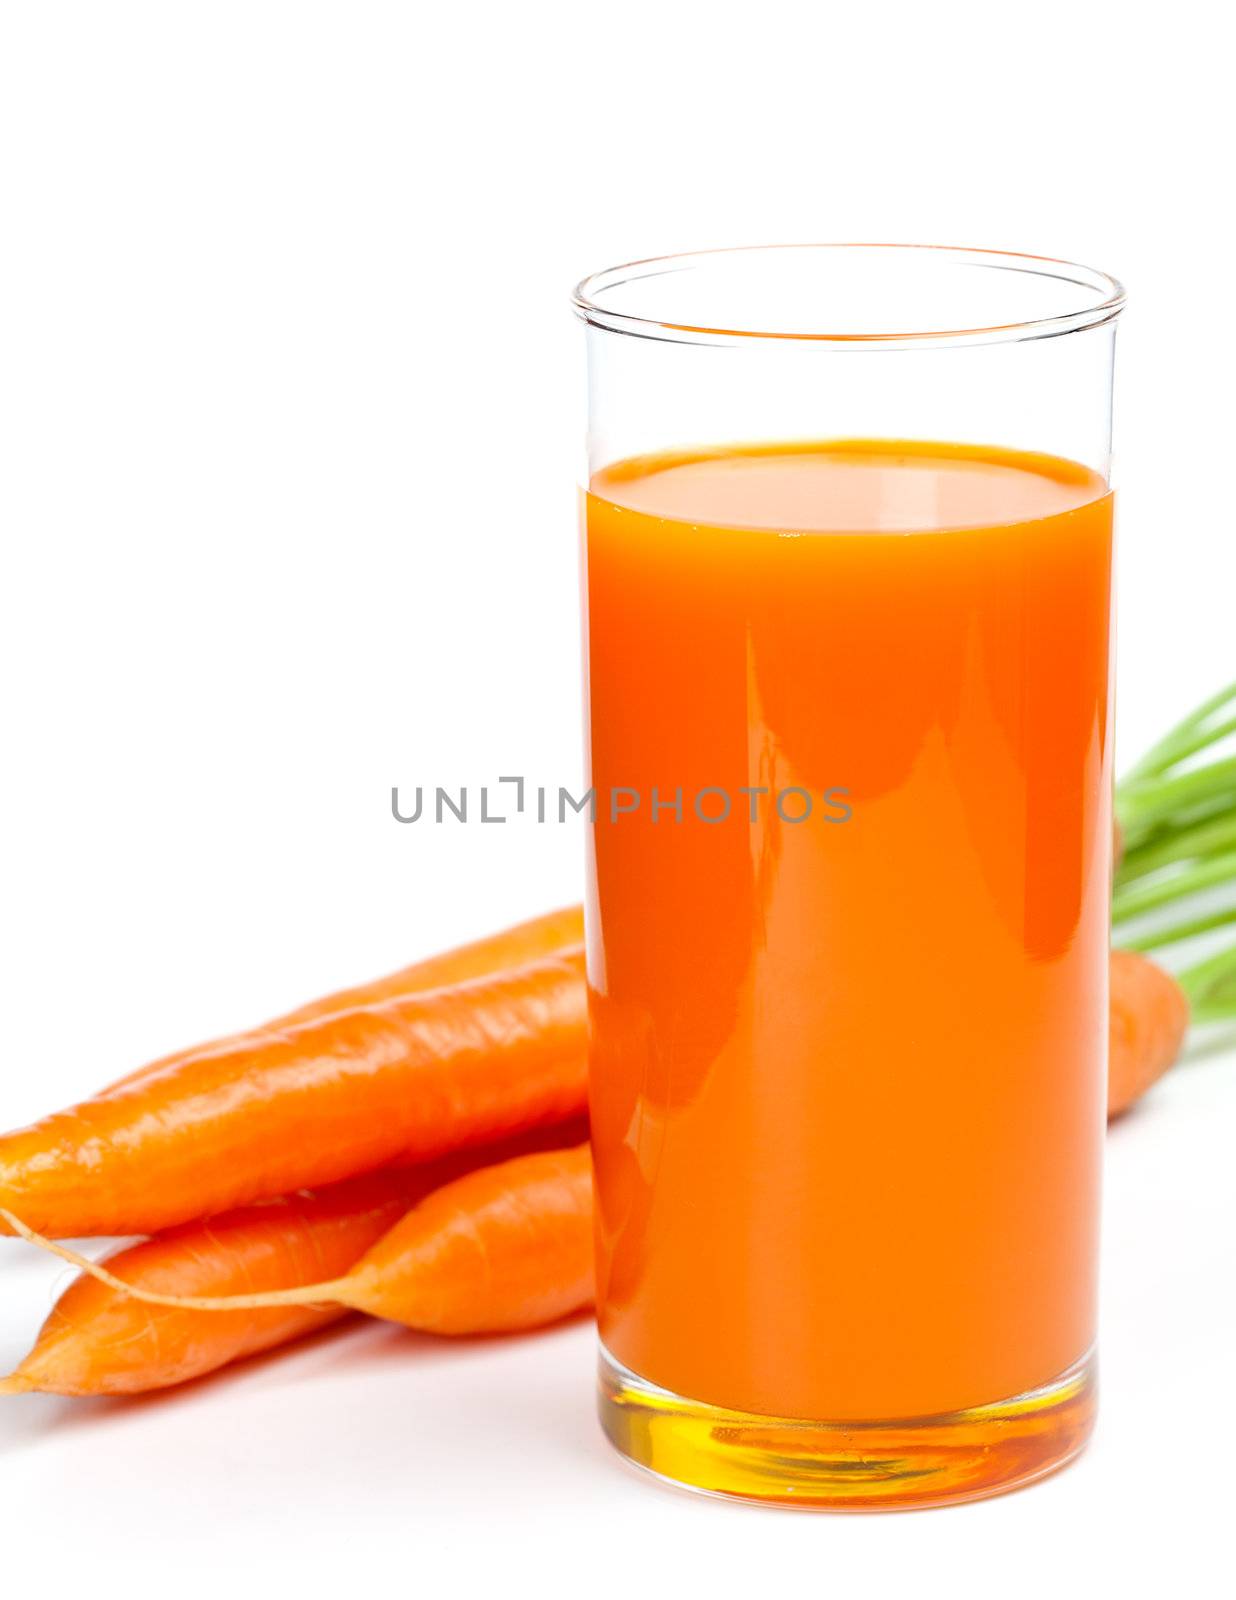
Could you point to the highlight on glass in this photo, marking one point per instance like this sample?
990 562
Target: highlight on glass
847 535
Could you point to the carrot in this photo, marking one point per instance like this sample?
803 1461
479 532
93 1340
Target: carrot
504 1247
411 1078
99 1341
1148 1019
408 1079
555 932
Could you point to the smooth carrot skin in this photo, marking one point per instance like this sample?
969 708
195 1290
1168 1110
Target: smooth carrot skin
504 1247
409 1079
554 933
1148 1021
100 1341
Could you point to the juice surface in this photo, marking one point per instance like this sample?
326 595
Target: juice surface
848 1066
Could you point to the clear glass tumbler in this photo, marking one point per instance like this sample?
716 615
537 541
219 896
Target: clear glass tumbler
847 556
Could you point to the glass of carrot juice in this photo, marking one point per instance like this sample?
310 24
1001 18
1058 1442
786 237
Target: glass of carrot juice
847 542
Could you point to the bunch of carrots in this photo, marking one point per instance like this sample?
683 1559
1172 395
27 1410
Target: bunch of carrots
415 1148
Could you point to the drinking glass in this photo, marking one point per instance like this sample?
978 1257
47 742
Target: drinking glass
847 534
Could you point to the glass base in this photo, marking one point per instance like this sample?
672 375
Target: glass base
850 1466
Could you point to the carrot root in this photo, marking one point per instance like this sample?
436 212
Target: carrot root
96 1341
409 1080
1148 1018
519 946
316 1294
501 1248
14 1385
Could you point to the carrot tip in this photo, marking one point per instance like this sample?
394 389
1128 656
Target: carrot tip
15 1384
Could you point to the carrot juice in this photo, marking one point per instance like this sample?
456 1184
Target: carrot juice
848 714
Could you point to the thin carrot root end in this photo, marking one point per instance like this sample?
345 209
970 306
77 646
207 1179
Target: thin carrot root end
313 1295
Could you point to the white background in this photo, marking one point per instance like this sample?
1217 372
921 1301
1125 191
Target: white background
290 413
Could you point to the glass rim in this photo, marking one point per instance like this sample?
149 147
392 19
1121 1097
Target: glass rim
1105 302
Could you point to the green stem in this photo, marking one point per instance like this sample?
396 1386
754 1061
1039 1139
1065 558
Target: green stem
1177 932
1210 986
1187 737
1199 739
1180 844
1161 891
1179 822
1157 832
1156 799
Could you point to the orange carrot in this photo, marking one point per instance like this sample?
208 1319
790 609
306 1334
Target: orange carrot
1149 1017
99 1341
551 934
504 1247
408 1079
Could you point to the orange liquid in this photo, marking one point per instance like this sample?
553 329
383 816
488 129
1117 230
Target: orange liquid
848 1072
